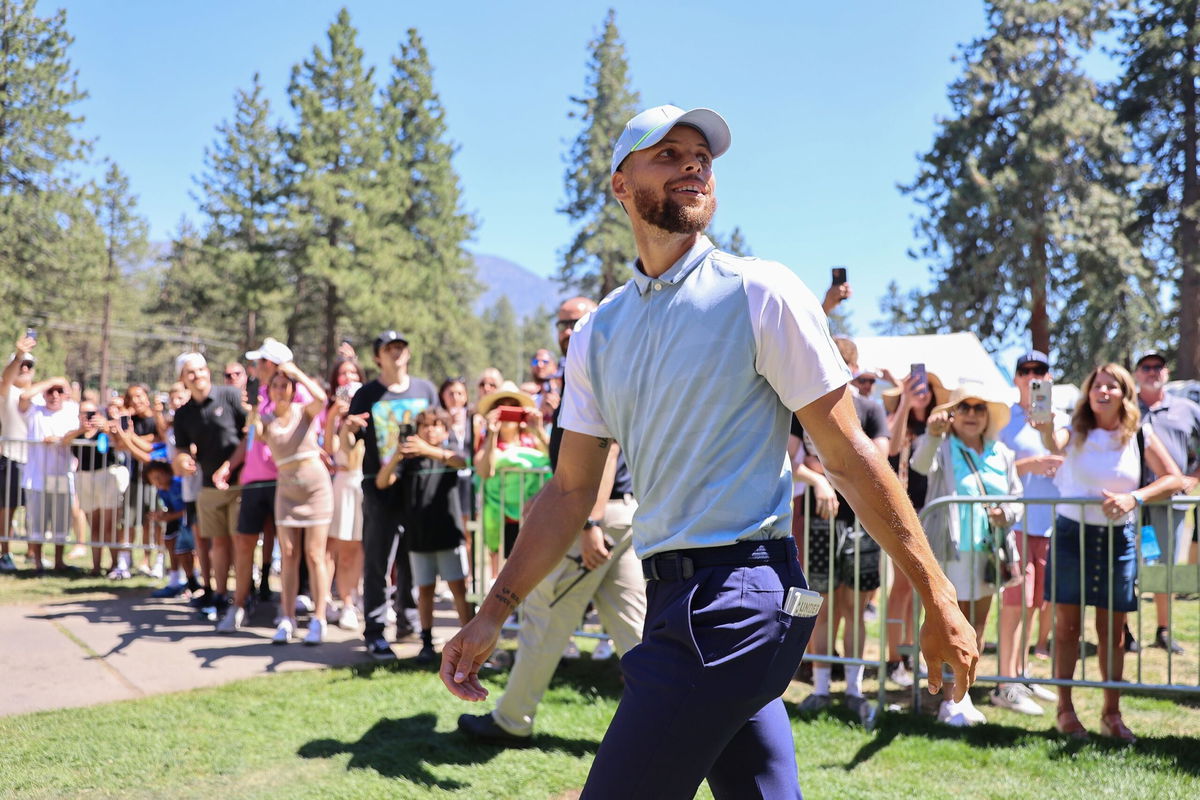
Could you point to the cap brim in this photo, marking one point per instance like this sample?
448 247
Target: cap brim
712 127
255 355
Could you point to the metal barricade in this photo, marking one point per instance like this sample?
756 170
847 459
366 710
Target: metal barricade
49 491
846 556
505 479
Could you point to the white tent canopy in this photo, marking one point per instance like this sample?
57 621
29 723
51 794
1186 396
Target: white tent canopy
953 357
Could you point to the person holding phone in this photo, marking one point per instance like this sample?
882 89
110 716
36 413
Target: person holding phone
515 438
961 455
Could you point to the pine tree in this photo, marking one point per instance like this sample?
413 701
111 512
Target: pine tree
735 244
125 243
335 153
423 227
502 339
597 259
1159 97
1026 215
46 231
537 333
902 313
242 194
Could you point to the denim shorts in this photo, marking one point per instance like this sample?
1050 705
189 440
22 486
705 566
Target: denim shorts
1104 580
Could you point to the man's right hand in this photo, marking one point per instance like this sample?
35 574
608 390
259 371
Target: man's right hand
464 654
947 638
592 547
356 422
826 499
187 464
26 344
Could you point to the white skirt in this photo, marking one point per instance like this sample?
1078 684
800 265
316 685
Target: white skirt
347 506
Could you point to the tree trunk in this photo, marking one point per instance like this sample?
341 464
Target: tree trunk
1039 274
106 322
1188 367
251 329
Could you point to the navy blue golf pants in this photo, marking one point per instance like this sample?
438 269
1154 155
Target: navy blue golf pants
702 690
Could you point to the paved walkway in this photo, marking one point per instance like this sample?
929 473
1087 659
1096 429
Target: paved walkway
71 653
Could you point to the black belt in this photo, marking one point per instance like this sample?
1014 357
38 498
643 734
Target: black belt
679 565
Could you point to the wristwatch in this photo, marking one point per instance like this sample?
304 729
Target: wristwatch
591 523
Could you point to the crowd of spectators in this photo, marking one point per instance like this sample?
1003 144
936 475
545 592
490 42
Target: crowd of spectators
359 493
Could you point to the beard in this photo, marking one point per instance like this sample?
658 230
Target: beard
669 215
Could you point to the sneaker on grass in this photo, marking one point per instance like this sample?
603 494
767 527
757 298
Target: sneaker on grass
898 674
6 563
950 714
427 655
814 703
380 650
866 710
483 728
604 651
1015 697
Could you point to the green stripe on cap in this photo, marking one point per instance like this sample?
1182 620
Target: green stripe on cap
638 143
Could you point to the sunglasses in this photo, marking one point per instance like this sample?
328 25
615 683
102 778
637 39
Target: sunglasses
537 362
1152 367
973 408
55 390
1040 370
864 379
565 324
231 375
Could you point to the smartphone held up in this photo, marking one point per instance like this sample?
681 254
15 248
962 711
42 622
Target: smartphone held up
512 414
1041 409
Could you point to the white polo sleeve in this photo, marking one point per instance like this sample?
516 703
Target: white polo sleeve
794 349
579 411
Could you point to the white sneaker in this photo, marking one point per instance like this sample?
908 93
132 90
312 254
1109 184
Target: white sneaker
332 613
900 676
1015 697
348 621
316 632
949 713
304 603
604 650
233 619
571 651
157 570
968 709
390 615
284 632
1043 693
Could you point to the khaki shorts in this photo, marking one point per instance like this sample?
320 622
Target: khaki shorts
218 511
101 489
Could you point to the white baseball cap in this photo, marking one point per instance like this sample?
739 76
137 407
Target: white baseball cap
271 350
649 127
186 360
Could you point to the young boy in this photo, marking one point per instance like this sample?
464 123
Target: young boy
433 517
177 537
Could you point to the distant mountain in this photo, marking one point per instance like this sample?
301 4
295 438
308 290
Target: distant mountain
525 290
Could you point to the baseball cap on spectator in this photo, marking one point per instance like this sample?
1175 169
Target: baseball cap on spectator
650 126
389 336
187 360
271 350
26 359
1033 357
507 391
1150 354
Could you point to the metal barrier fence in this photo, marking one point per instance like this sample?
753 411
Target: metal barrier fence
84 487
849 551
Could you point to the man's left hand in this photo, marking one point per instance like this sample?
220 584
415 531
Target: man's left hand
464 654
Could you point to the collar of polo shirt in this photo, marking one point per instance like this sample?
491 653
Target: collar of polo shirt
678 271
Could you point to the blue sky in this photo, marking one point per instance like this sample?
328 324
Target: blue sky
829 105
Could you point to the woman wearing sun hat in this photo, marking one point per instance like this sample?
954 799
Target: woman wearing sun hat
508 444
961 455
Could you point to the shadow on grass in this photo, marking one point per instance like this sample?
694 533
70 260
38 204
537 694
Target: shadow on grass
406 748
1181 750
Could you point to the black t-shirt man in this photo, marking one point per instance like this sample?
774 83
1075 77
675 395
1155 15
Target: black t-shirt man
214 426
873 418
433 515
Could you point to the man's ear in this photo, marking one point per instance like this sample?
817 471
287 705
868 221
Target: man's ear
620 187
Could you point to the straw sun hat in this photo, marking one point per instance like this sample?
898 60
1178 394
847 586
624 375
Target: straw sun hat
998 411
507 391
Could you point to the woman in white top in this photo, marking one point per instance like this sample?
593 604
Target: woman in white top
1101 458
344 544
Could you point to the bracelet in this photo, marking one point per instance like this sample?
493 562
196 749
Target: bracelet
1137 497
591 523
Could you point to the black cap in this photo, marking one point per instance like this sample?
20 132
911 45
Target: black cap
387 337
1150 354
1033 357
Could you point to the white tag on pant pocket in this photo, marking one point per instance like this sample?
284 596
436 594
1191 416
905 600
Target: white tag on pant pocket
801 602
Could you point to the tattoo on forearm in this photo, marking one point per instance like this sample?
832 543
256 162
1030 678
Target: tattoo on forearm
604 443
508 597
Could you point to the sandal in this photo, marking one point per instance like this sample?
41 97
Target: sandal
1112 725
1068 723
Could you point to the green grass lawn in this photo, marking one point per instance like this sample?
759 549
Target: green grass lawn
389 731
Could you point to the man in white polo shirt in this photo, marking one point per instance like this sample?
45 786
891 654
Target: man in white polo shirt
725 623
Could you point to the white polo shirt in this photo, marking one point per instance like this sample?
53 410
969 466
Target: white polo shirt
696 374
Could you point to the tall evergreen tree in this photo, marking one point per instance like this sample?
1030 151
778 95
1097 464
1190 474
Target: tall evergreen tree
125 243
502 339
242 192
1159 97
597 259
46 231
335 152
1026 219
423 226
